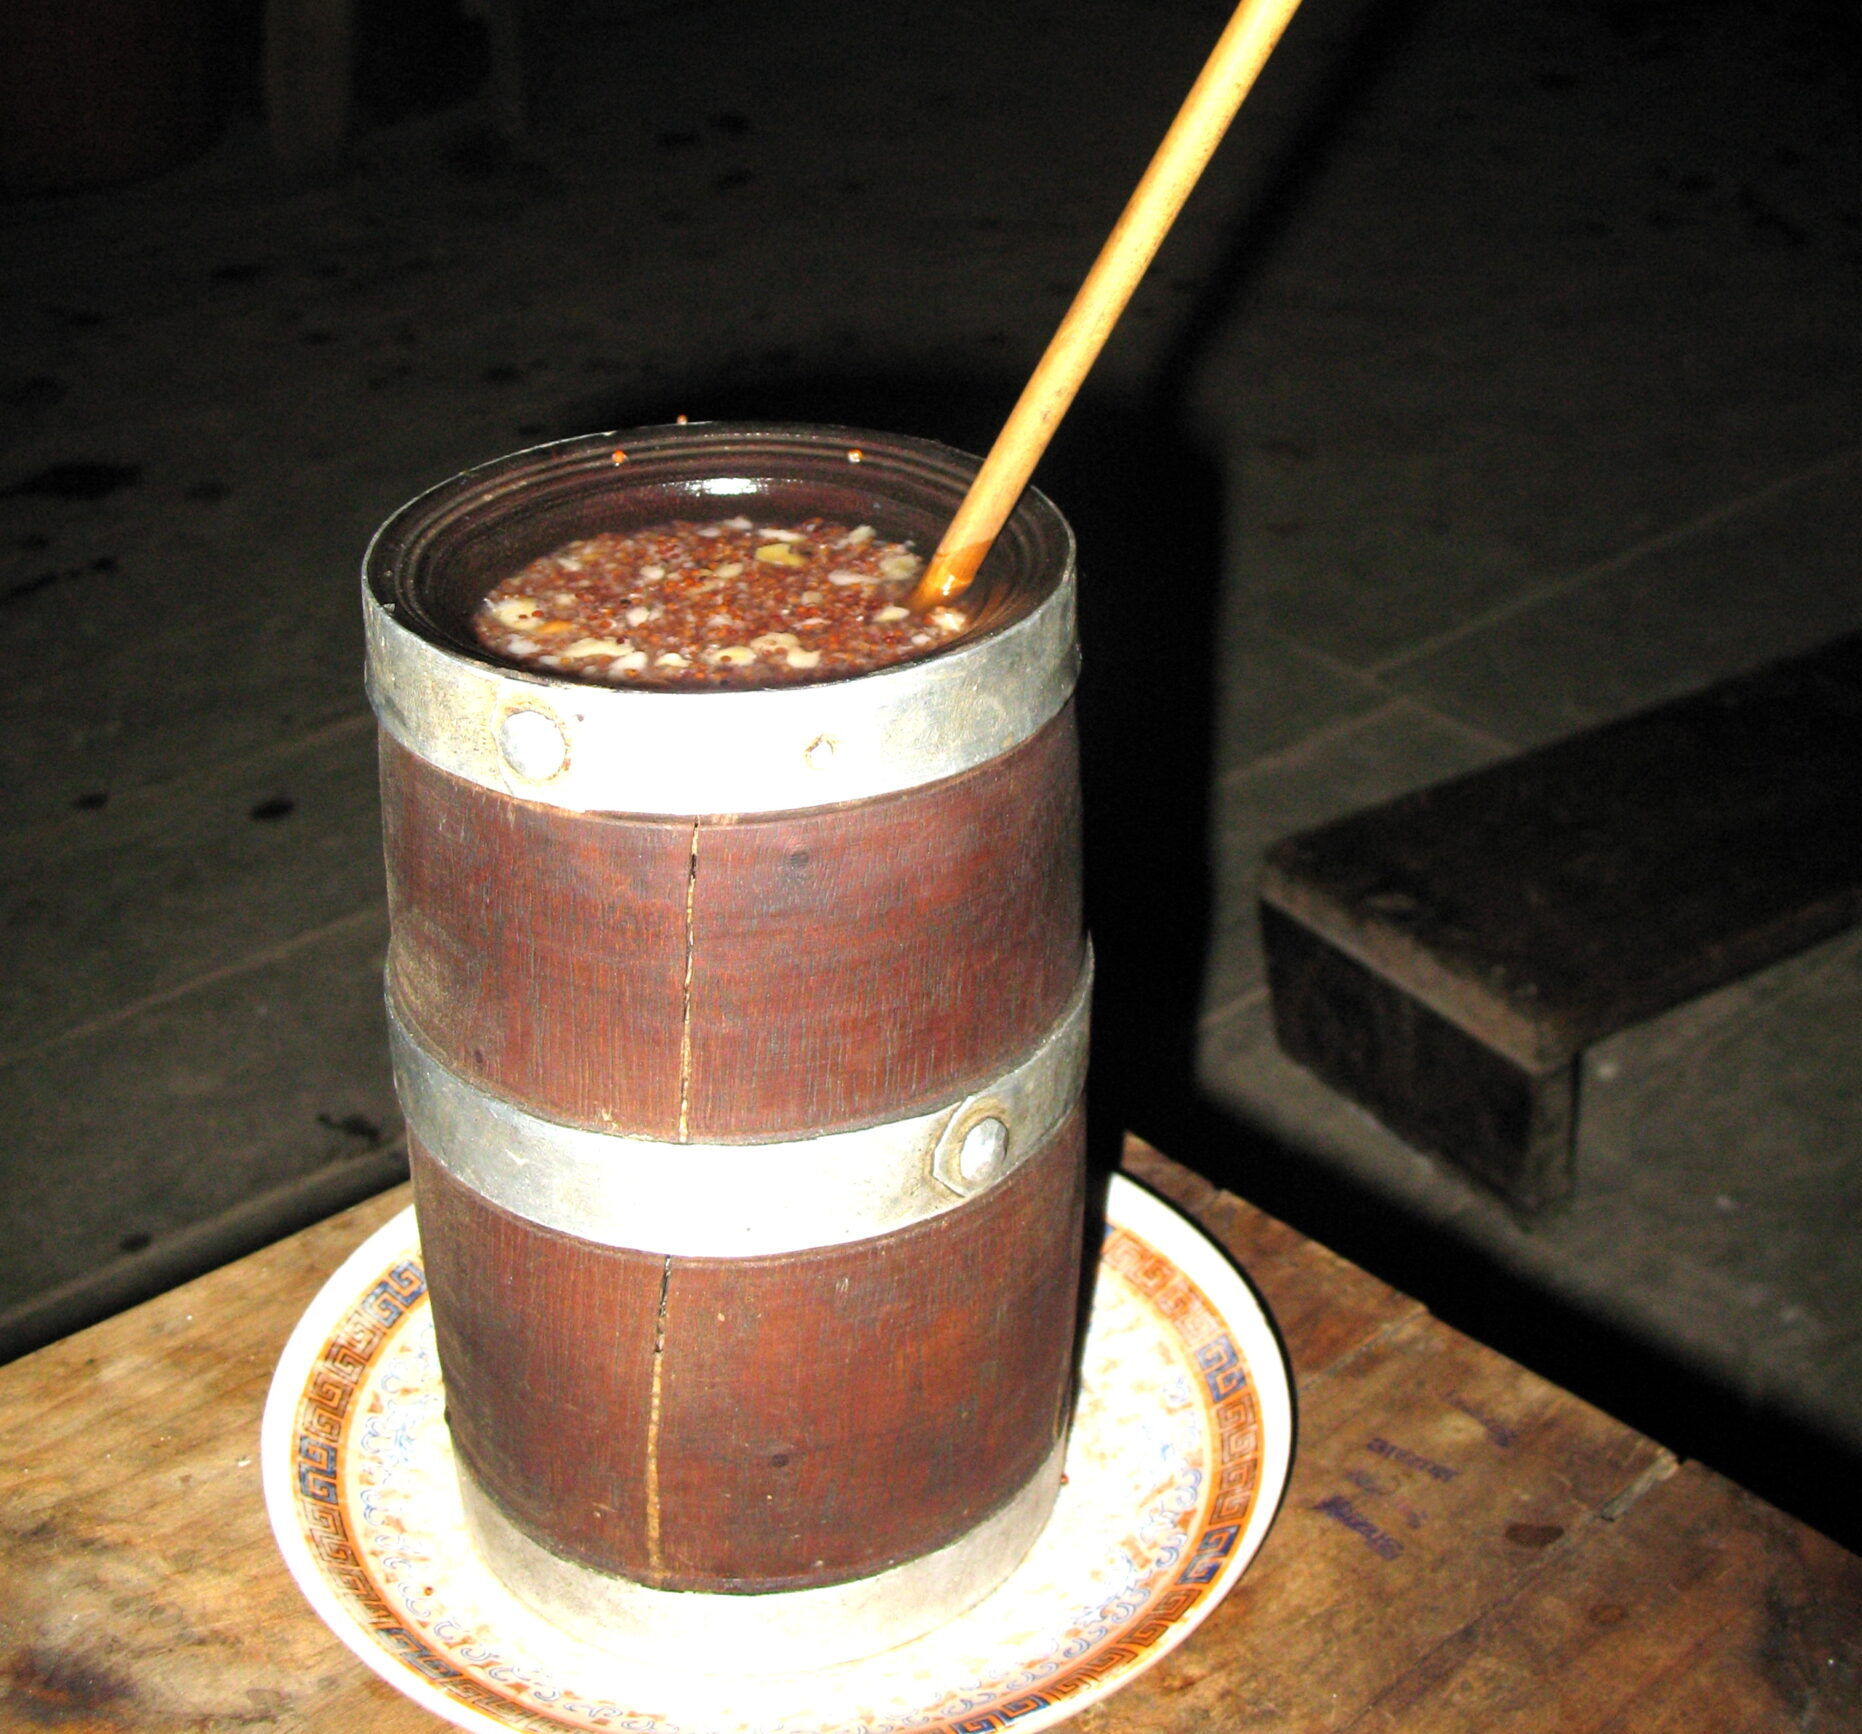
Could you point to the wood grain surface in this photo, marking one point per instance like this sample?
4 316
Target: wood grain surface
1550 900
1429 1080
866 961
538 952
738 977
1443 958
1463 1546
763 1423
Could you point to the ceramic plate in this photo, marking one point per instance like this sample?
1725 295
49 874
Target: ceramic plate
1176 1463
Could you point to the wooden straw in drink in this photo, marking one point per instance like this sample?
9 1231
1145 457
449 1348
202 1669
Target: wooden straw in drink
1227 76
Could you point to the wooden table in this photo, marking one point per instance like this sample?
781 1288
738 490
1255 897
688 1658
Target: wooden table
1463 1545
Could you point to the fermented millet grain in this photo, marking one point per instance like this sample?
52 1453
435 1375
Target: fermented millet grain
729 603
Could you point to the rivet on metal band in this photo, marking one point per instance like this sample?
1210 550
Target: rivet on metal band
771 749
780 1631
741 1200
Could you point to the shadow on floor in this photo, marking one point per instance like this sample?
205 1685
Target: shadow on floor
1145 502
1786 1460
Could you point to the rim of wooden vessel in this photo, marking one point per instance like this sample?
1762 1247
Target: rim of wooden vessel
591 748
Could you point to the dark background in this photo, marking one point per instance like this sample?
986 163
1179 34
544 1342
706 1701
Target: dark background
1499 380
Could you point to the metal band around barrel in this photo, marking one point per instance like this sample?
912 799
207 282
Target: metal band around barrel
741 1200
779 1631
597 749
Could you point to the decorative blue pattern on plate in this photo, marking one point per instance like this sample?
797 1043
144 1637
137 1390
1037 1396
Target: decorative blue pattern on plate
1176 1463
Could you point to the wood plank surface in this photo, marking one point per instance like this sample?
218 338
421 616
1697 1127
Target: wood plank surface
747 976
1462 1546
865 961
539 952
1430 1081
1444 958
817 1415
139 1584
1548 901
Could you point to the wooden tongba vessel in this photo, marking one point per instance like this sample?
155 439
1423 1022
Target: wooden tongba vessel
741 1036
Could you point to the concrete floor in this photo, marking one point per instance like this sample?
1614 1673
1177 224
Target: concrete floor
1501 378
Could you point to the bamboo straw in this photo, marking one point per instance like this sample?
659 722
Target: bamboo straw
1227 76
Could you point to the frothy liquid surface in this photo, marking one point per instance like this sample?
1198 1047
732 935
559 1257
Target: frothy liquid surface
730 603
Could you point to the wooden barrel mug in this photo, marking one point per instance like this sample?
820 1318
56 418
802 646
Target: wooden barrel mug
741 1037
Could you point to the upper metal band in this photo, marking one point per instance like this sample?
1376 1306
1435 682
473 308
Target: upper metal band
597 749
741 1200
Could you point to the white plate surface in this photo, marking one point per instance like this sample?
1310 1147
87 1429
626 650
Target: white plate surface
1176 1464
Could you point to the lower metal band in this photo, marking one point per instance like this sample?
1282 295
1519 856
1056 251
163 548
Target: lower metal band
784 1631
741 1200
